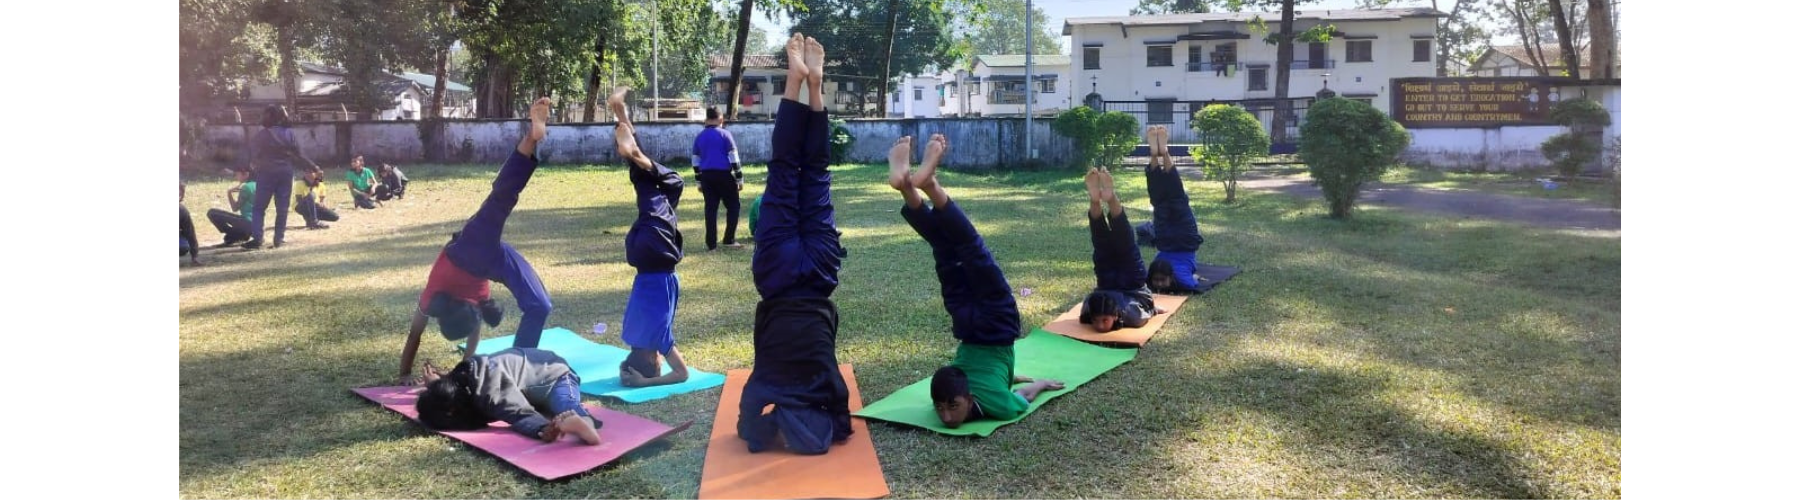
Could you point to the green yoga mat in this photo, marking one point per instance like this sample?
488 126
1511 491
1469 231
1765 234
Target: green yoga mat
1039 355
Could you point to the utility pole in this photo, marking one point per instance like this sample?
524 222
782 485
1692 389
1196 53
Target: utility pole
655 60
1029 82
887 65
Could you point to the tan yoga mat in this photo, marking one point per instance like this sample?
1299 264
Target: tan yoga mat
849 470
1069 324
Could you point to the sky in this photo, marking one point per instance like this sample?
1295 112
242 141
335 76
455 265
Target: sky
1057 10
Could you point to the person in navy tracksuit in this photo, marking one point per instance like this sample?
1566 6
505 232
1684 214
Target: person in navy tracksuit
1120 298
721 177
273 151
795 267
456 291
653 247
1177 233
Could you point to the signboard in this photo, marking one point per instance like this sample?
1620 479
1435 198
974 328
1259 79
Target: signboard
1473 102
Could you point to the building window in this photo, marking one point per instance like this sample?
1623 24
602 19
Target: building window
1365 100
1195 54
1159 55
1421 50
1160 111
1047 85
1227 52
1090 58
1359 51
918 93
1259 79
843 86
780 85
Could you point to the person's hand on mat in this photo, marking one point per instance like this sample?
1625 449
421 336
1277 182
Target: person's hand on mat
1021 379
1054 385
630 378
1160 310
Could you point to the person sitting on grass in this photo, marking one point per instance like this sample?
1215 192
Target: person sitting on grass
236 225
362 184
393 183
1120 298
510 386
190 243
309 199
653 247
978 383
456 291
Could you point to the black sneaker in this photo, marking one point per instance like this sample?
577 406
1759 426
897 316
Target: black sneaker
320 225
252 245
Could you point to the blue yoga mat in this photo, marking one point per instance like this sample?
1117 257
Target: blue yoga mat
598 366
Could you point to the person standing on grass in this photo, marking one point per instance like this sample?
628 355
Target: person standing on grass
721 177
362 184
456 291
274 153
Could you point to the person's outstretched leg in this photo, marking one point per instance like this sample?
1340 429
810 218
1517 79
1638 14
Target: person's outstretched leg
778 251
976 294
528 291
476 249
817 229
1115 243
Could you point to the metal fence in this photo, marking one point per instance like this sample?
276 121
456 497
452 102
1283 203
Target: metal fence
1177 116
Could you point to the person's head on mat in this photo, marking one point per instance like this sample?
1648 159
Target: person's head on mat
646 362
448 404
1105 310
1162 276
458 318
950 396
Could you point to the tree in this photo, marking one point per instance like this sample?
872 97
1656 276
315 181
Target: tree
1603 39
296 27
1572 150
1345 144
1229 138
1571 58
790 7
1526 16
1283 41
370 37
1002 30
1153 7
219 51
847 27
1100 139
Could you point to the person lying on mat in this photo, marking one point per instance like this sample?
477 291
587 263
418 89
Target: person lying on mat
1120 299
1177 234
511 386
795 266
653 247
983 314
456 291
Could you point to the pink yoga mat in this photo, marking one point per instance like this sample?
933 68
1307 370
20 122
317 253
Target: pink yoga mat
622 433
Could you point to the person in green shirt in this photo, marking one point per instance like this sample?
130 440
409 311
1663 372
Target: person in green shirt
236 226
362 183
978 382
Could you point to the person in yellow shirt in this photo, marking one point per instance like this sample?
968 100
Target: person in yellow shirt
309 199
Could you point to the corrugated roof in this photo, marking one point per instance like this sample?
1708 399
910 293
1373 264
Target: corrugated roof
429 82
1010 61
750 61
1552 55
1325 15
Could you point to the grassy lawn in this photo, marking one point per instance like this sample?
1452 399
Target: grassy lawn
1398 355
1512 183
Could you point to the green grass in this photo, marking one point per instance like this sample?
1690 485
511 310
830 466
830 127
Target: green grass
1511 183
1396 355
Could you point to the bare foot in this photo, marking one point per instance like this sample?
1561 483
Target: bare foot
815 61
899 158
1107 192
616 103
570 422
926 176
1150 139
796 59
540 115
1094 187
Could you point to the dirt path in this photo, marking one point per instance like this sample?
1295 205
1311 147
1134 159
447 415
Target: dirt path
1564 214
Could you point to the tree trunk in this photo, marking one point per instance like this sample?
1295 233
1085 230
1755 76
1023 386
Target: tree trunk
284 44
1601 41
438 87
1571 59
593 84
1284 56
737 60
1534 51
887 63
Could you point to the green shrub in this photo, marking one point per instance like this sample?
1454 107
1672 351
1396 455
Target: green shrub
1100 139
1229 138
1569 151
1345 144
841 141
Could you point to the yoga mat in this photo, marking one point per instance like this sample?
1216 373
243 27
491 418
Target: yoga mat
849 470
598 366
1038 355
1211 276
1069 324
621 433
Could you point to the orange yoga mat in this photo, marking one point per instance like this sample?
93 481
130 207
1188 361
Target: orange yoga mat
849 470
1069 324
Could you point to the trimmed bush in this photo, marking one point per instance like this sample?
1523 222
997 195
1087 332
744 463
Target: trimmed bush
1229 138
1346 144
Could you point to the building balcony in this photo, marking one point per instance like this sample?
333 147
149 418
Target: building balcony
1006 97
1208 67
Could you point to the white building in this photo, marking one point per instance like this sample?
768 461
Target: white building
1175 64
764 81
1512 60
918 96
322 96
996 86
